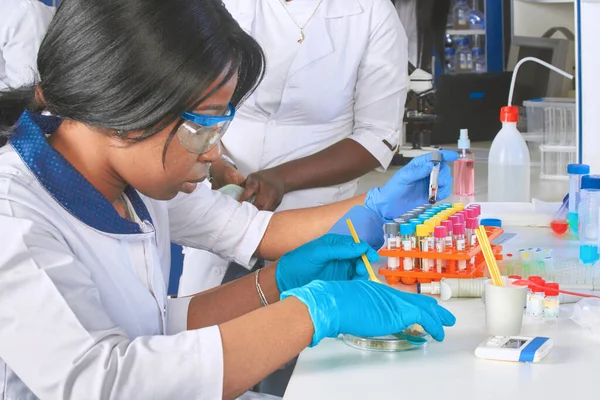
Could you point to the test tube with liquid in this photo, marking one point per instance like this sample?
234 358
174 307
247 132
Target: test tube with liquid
449 233
472 225
392 242
407 233
460 244
440 234
575 171
423 240
588 226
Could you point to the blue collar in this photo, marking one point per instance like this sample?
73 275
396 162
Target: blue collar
65 184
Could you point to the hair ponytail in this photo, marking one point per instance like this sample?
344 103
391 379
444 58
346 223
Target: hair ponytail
13 102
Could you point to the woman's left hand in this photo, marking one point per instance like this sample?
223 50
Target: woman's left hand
409 187
328 258
268 187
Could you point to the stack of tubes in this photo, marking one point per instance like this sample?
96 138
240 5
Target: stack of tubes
436 228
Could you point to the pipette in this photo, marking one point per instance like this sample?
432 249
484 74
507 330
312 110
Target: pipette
436 159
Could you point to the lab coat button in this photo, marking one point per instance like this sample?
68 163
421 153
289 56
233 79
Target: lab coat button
217 271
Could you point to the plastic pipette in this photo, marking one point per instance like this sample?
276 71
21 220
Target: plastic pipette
436 159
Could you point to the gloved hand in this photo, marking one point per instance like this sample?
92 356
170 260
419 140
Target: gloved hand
366 308
329 258
409 187
368 225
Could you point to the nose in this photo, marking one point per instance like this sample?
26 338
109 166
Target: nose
212 155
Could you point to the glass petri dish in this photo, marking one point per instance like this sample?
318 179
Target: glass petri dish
389 343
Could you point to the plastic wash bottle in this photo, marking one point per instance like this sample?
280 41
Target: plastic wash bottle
508 165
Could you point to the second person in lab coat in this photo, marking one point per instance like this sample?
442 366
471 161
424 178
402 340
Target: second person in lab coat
328 111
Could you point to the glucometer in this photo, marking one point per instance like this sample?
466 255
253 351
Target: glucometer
515 348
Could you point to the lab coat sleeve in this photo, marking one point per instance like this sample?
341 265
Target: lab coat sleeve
382 83
28 25
212 221
59 340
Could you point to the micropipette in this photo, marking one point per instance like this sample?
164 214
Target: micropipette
436 159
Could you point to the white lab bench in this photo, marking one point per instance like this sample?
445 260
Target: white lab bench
450 370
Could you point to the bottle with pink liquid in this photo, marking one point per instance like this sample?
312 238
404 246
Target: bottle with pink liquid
464 167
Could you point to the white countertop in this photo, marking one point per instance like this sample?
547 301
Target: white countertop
450 370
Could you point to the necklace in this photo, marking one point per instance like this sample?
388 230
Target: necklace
301 27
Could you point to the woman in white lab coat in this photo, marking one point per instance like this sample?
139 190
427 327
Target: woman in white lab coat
136 95
328 111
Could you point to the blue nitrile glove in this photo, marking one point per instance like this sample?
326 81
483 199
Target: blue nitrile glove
368 225
366 308
409 187
328 258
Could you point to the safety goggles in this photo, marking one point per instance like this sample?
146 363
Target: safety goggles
200 133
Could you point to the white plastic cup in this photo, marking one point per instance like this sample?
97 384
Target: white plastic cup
504 308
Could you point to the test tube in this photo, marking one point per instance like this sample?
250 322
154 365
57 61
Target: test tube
458 206
400 220
449 231
440 234
471 213
575 171
551 303
472 225
392 242
455 220
407 234
423 240
413 238
459 244
477 209
588 226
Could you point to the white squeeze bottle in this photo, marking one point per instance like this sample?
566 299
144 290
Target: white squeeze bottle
509 164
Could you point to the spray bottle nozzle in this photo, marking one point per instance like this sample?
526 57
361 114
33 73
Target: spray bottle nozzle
463 141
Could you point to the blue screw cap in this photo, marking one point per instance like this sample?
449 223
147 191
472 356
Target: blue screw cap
407 229
590 182
578 169
491 222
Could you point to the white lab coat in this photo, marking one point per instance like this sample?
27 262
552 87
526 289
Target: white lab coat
83 306
23 24
348 80
407 11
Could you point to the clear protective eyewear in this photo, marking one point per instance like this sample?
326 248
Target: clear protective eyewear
200 133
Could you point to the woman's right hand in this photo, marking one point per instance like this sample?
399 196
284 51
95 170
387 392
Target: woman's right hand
223 173
366 308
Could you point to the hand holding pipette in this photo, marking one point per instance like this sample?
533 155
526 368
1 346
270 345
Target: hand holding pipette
409 187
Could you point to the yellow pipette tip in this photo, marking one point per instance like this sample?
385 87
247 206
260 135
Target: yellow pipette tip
372 275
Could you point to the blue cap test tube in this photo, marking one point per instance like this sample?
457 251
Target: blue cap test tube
575 171
589 208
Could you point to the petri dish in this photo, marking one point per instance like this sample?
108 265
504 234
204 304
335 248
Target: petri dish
389 343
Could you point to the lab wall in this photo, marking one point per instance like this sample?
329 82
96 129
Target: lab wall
547 15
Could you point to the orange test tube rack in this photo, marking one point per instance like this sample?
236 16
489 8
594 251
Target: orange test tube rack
474 269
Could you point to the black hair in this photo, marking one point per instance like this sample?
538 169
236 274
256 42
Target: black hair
135 65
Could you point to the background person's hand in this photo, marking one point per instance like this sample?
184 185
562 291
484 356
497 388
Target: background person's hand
368 225
409 187
328 258
268 187
222 173
366 308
